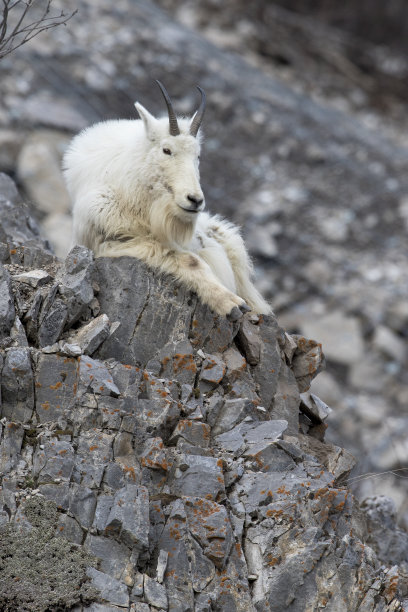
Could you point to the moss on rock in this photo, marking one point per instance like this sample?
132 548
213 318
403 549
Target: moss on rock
30 557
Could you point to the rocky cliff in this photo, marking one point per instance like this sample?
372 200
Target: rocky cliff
156 457
305 146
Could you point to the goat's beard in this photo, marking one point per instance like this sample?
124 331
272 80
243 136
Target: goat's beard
169 228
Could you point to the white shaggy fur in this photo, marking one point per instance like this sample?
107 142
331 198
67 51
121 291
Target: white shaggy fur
132 197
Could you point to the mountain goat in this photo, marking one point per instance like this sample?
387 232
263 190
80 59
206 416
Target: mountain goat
136 191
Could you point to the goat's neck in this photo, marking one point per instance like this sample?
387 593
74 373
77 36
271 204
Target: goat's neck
169 229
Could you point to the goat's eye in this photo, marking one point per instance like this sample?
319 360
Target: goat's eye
167 151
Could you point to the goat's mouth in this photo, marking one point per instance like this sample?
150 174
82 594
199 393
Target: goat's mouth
190 210
193 211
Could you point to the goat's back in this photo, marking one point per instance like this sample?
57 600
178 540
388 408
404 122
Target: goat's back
102 152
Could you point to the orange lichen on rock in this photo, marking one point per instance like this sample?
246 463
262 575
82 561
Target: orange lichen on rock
56 386
130 471
392 587
184 362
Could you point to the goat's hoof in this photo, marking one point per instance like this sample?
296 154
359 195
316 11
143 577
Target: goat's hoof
244 308
235 314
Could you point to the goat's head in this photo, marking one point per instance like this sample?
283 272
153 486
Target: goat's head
173 153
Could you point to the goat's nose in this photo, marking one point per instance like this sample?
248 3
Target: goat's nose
195 200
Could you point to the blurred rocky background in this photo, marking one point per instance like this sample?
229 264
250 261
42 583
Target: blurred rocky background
306 146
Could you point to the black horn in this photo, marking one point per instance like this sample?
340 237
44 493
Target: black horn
198 117
174 128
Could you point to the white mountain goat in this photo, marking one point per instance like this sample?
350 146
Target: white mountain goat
136 191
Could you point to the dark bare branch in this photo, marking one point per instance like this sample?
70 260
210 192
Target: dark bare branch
18 25
3 28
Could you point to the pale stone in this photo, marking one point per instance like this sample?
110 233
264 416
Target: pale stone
339 334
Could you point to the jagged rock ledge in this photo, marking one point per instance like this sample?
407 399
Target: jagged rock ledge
178 457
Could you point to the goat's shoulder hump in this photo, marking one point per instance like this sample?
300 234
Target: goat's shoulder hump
113 127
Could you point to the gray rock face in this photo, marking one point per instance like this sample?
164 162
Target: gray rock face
91 335
75 283
389 542
7 311
180 472
17 385
129 516
17 225
155 593
111 590
145 303
322 178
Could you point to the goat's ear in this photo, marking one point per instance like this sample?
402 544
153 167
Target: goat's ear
148 120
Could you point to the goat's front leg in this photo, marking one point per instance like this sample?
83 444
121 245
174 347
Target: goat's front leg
227 235
190 269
